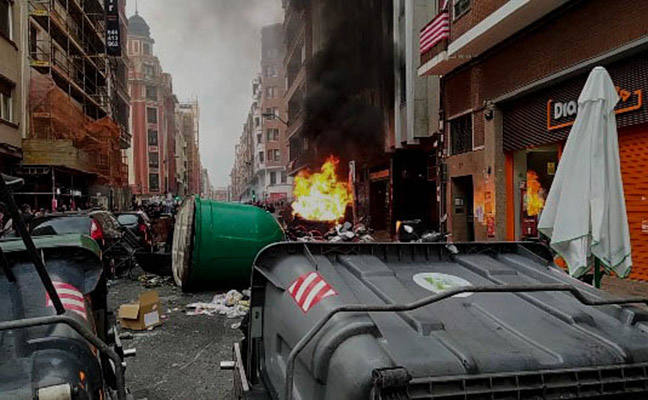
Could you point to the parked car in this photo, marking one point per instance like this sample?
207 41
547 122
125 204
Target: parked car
100 225
139 224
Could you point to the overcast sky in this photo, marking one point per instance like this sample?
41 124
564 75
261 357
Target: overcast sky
212 48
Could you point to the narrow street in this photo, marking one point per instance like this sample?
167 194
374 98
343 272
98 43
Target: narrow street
180 359
396 199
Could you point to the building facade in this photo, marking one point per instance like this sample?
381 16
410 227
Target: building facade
246 155
189 115
413 144
297 36
271 180
13 85
77 126
510 84
153 118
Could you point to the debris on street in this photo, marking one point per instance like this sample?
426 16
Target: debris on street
152 281
232 304
316 231
143 314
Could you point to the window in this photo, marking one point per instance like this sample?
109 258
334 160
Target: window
151 93
461 134
273 155
149 70
260 156
135 47
5 101
147 49
257 121
151 115
460 8
154 161
268 110
273 178
259 138
154 182
284 177
271 92
272 135
5 19
152 137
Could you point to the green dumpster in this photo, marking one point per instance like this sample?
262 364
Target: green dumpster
214 244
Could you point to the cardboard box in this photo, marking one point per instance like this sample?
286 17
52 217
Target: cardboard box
141 315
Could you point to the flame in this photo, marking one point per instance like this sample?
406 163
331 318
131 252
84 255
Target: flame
534 201
320 196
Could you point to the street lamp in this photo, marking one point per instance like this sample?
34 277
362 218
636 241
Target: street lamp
272 116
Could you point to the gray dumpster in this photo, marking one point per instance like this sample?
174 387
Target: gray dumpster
431 321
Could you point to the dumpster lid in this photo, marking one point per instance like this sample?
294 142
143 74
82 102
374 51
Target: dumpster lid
12 245
465 335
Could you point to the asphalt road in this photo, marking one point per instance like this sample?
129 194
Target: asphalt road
180 359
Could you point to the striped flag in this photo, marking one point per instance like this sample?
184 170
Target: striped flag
309 289
436 30
71 297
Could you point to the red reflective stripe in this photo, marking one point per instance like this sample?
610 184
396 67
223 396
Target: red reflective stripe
314 282
323 294
78 297
297 284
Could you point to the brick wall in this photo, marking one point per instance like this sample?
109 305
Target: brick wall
573 35
479 9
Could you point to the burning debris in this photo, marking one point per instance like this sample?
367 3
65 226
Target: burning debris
320 196
320 207
534 198
307 231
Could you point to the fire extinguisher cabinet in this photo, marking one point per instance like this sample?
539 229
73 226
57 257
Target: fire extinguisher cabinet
214 243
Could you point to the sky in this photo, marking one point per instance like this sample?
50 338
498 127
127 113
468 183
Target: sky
212 48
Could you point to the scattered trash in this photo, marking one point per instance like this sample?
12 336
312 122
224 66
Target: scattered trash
142 315
232 304
152 281
236 325
313 231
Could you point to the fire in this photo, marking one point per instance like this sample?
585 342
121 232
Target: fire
320 196
534 198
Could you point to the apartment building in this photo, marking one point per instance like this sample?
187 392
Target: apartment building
78 105
189 115
271 177
13 86
510 85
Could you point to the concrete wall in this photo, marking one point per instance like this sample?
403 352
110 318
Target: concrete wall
12 67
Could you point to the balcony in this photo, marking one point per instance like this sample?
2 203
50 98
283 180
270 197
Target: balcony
510 18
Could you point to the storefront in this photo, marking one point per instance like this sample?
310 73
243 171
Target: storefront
535 129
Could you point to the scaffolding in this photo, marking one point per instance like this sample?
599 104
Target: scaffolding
78 104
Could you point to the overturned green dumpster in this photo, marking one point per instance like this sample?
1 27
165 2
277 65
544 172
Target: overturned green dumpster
214 244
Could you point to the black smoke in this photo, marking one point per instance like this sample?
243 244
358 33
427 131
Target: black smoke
350 80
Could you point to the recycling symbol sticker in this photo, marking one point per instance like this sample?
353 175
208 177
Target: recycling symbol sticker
437 282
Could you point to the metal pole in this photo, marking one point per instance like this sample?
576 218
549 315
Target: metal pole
598 275
39 264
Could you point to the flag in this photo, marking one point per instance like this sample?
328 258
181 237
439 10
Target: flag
436 30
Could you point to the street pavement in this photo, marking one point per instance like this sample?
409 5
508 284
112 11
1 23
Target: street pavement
180 359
